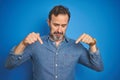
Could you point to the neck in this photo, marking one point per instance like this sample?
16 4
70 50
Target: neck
57 43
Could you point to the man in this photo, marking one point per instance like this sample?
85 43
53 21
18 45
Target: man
55 56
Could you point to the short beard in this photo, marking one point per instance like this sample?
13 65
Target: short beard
56 38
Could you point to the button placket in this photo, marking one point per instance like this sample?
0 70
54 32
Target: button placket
56 64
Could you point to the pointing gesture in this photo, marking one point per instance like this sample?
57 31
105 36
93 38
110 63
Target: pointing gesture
31 38
86 39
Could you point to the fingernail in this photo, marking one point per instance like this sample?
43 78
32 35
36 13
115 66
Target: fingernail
76 42
41 42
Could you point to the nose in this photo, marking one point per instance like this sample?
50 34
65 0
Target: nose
59 29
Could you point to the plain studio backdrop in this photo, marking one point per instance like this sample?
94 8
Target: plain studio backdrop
99 18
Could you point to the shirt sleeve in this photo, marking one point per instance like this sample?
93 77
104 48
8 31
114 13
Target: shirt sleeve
14 60
91 60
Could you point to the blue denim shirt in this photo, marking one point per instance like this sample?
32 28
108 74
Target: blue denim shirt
56 63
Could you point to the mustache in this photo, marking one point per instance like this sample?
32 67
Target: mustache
58 32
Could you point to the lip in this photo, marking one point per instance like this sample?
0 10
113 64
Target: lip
58 34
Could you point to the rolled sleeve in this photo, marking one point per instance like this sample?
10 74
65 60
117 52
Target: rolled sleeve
14 60
96 60
91 59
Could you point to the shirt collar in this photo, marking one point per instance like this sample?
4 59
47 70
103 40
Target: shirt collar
65 39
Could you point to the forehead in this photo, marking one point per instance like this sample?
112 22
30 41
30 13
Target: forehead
61 18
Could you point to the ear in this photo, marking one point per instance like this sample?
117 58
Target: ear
48 21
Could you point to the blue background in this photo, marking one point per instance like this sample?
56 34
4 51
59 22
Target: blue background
99 18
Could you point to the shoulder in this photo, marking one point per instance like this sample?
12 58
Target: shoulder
45 37
73 44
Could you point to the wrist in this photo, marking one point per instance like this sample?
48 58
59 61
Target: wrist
93 48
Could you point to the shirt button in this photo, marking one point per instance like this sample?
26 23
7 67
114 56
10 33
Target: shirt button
56 65
56 76
20 57
56 53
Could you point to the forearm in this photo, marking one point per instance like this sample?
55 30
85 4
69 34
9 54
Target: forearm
14 59
91 59
95 57
20 48
96 61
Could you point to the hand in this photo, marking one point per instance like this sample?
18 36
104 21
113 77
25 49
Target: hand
86 39
31 38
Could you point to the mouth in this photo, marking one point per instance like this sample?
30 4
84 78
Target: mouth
58 33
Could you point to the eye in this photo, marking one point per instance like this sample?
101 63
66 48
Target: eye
56 25
64 25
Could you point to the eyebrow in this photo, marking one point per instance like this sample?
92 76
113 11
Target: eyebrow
59 24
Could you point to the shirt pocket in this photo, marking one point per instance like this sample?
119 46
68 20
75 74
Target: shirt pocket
70 60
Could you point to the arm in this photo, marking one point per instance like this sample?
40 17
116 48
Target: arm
22 52
90 58
14 59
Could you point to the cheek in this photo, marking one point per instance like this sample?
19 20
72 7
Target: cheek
52 30
64 30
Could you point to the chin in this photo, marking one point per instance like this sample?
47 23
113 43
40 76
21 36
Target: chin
56 38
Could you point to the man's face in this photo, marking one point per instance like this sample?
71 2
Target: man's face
58 26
